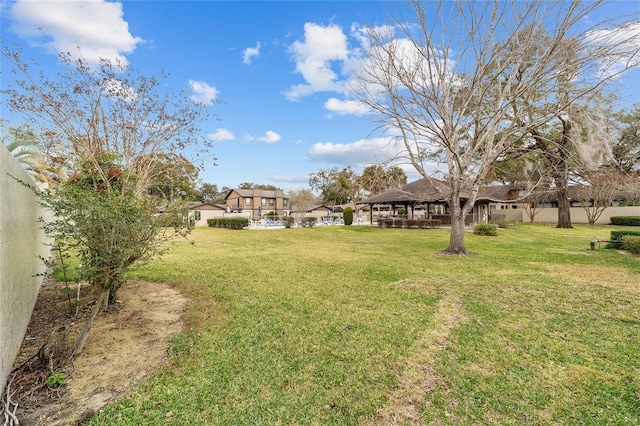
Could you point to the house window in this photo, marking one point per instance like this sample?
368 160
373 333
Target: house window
264 201
285 202
247 201
196 215
271 201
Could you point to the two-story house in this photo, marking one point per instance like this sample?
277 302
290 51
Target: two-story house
258 202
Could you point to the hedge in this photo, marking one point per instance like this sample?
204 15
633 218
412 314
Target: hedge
228 222
625 220
631 244
619 236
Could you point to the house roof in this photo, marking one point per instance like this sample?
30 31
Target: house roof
433 190
249 193
209 205
497 192
318 207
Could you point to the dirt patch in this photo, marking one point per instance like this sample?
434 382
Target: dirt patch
126 343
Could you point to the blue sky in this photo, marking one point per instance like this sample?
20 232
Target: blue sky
277 69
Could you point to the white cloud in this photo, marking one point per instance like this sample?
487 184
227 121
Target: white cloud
221 135
290 178
202 92
96 27
359 153
346 107
249 53
617 48
269 137
362 33
314 57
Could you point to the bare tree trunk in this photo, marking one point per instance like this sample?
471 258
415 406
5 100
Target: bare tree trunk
564 206
456 239
81 340
561 172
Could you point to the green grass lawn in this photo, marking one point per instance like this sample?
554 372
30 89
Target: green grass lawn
360 325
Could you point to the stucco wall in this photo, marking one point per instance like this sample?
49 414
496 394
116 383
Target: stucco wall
578 215
21 243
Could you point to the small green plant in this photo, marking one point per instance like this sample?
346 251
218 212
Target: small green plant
488 229
55 380
347 215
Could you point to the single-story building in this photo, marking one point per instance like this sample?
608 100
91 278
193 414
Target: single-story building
203 211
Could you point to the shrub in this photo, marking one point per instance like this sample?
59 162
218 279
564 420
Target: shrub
347 215
625 220
486 229
308 221
228 222
632 244
619 236
504 223
288 221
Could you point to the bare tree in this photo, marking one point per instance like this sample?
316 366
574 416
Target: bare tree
599 190
631 189
109 110
447 84
452 83
301 201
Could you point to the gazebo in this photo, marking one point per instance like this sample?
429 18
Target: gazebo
427 192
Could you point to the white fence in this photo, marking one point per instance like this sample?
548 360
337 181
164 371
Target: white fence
22 241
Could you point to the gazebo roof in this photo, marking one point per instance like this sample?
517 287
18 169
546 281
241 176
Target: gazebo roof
419 191
430 190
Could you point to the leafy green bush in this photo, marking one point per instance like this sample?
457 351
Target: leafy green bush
632 244
288 221
489 229
625 220
347 215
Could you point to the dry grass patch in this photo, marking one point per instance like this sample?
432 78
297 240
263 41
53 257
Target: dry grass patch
406 401
606 276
